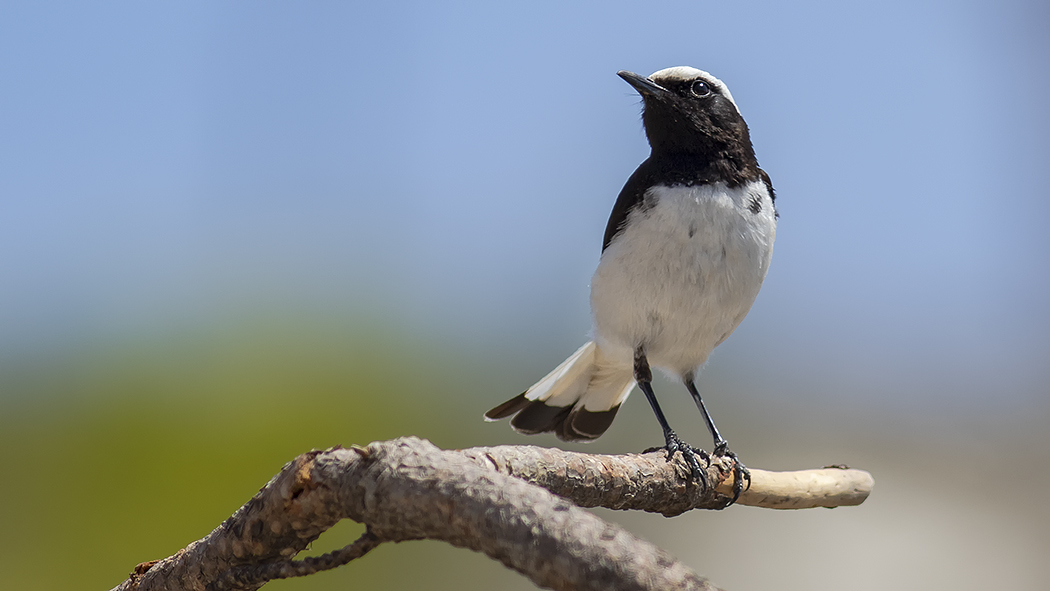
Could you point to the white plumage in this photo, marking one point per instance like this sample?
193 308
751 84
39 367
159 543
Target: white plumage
683 273
678 279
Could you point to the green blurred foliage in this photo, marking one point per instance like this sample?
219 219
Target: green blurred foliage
120 454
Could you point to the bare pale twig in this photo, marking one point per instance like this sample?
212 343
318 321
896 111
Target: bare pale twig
648 482
511 503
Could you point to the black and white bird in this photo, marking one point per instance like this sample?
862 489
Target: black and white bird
685 252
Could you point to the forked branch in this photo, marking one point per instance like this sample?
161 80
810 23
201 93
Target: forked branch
517 504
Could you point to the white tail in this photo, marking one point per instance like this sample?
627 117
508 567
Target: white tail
577 401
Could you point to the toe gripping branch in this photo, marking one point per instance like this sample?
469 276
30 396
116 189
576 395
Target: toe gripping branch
689 453
740 471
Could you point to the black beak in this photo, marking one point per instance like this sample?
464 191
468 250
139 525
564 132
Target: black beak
643 85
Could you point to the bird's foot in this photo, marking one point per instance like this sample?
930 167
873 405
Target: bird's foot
689 453
740 471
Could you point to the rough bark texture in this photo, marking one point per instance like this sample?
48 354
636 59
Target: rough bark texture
648 482
517 504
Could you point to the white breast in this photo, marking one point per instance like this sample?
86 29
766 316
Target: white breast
683 273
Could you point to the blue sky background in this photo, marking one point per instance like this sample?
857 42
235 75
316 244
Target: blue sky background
448 169
454 165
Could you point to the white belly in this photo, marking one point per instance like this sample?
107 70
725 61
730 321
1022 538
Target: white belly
683 274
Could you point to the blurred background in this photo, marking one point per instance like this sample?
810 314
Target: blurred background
232 232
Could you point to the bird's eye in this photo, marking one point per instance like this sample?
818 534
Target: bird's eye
700 88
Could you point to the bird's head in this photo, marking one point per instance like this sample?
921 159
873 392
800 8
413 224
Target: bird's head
688 110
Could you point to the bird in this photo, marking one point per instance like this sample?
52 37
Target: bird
685 252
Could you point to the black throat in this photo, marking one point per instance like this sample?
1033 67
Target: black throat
693 145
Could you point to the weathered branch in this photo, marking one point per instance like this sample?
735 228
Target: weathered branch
648 482
249 575
485 499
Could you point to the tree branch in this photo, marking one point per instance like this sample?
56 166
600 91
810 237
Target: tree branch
512 503
648 482
250 575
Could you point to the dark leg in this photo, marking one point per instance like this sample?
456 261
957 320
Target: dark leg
740 471
644 376
720 443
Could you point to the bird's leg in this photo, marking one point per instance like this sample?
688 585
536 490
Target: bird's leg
644 376
721 449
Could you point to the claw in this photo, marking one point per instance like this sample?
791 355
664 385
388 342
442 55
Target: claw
689 453
740 471
694 465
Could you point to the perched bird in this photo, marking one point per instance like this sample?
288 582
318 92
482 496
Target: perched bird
685 252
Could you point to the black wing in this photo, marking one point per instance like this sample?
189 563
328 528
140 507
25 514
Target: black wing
772 193
631 196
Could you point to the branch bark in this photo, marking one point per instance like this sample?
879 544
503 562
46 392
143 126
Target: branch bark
517 504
